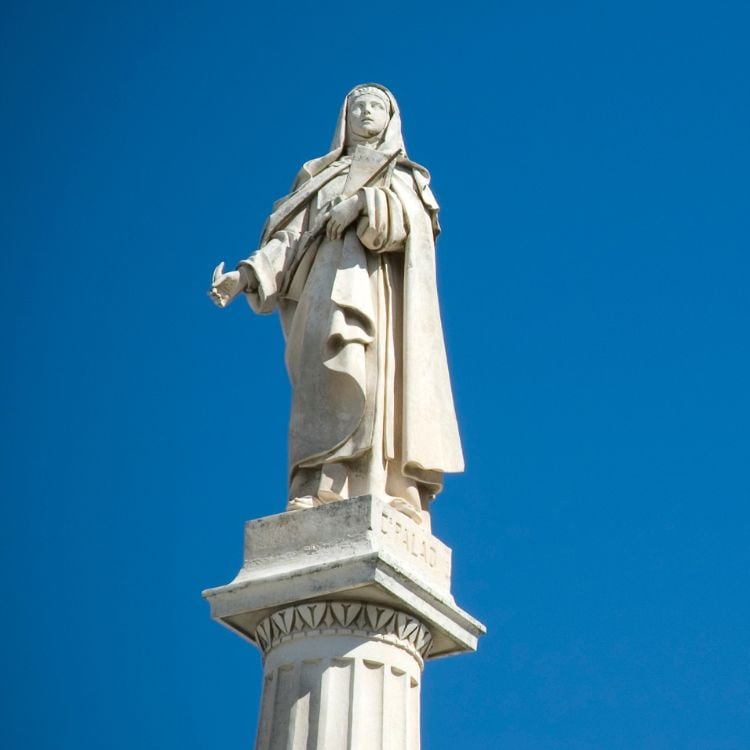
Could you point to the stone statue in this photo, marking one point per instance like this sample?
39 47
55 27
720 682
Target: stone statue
348 259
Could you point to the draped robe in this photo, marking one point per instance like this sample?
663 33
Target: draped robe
372 409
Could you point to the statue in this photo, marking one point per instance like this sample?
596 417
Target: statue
348 259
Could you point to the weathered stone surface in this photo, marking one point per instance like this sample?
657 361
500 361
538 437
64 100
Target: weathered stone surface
345 602
360 550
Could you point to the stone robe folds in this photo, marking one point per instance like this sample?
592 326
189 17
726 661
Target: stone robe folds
372 409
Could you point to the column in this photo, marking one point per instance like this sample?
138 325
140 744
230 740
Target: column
341 675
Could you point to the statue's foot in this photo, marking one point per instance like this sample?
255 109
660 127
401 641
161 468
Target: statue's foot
406 508
311 501
301 503
328 496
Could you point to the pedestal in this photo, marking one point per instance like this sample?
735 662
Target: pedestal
345 601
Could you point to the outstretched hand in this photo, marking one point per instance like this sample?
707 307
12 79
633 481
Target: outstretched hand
224 286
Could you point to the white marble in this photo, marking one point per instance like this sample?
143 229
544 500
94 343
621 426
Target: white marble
348 260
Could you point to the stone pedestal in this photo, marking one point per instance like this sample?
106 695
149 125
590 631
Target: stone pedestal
345 601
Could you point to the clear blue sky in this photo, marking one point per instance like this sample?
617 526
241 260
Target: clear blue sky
592 160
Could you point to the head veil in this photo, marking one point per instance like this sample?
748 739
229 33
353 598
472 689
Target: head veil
391 142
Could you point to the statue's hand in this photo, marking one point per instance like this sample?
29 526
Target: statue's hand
342 216
225 286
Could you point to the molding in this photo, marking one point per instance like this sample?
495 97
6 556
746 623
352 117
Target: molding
349 618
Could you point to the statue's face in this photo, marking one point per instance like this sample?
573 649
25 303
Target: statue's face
368 115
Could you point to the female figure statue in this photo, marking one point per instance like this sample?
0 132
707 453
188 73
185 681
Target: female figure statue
348 258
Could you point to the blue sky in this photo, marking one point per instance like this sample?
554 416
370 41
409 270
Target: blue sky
592 162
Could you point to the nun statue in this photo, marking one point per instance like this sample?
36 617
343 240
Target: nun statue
348 259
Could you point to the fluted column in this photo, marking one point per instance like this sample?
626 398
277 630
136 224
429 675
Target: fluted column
341 675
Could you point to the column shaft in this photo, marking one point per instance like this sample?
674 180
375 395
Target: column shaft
341 676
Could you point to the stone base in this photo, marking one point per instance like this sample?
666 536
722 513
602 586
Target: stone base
360 550
345 601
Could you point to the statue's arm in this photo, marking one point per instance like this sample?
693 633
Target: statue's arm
261 276
382 226
266 271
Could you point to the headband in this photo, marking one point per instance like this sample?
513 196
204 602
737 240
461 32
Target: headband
372 90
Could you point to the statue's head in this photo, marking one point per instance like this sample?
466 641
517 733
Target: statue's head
369 110
370 116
